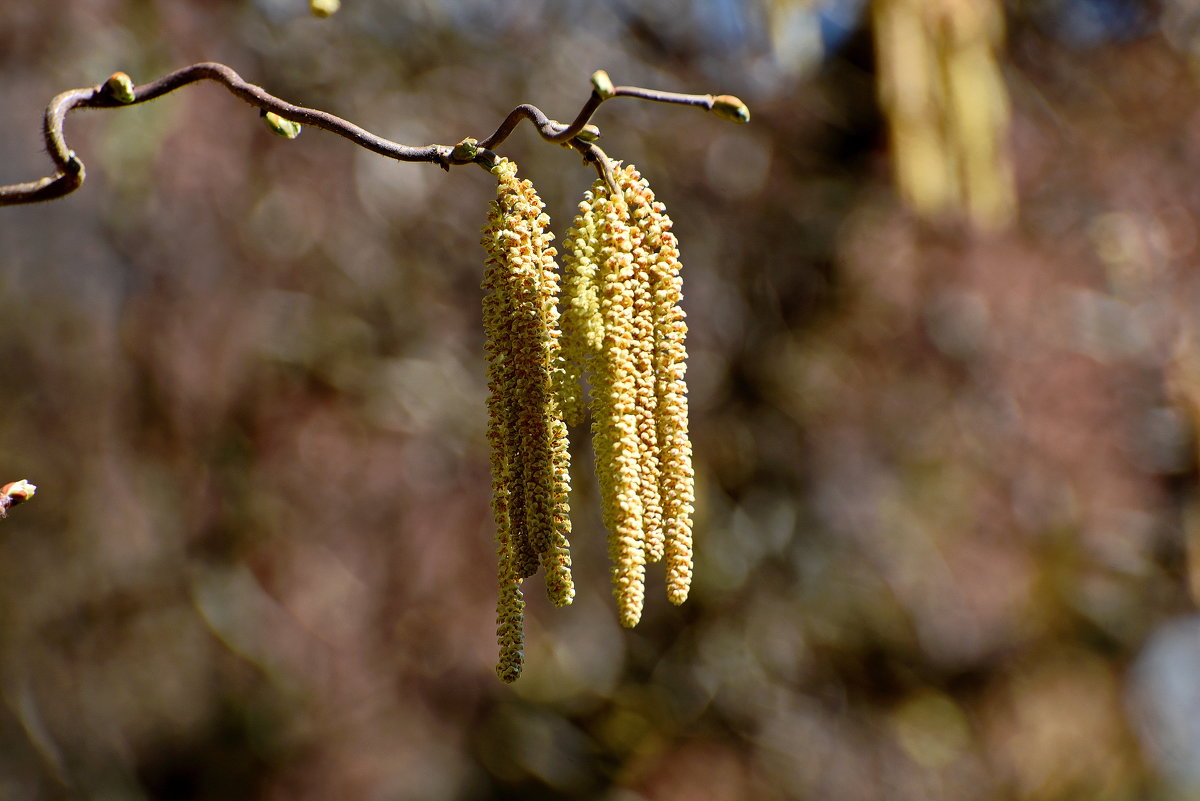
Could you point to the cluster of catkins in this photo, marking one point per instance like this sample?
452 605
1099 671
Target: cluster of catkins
616 321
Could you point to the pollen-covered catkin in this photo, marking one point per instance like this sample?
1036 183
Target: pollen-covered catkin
508 500
640 200
623 327
560 587
556 558
676 478
614 413
510 617
582 324
530 460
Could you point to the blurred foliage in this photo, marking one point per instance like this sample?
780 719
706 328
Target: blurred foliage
947 106
948 528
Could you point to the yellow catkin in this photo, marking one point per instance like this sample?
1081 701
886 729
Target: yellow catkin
614 414
530 460
510 617
508 498
557 561
560 587
623 324
640 200
556 558
582 324
676 477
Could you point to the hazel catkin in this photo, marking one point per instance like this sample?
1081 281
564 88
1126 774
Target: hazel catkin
530 458
621 330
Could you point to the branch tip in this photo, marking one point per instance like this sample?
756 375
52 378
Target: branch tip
603 84
13 493
324 8
731 108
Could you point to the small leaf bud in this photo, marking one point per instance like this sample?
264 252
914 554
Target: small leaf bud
324 8
281 127
728 107
15 492
120 87
466 150
590 133
18 491
603 84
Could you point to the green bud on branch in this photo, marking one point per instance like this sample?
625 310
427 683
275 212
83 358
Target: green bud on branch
281 127
728 107
603 84
466 150
590 133
324 8
120 86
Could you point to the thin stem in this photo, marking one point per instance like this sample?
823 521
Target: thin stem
550 130
599 159
69 171
700 101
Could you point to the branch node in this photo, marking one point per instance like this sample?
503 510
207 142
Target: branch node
593 155
486 159
589 134
279 126
465 151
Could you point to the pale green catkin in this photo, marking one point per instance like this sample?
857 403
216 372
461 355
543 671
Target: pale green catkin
582 325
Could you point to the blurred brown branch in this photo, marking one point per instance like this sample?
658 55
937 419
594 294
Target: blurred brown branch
119 91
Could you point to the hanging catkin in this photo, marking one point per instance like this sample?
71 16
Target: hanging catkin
530 459
582 325
614 412
622 330
667 481
623 326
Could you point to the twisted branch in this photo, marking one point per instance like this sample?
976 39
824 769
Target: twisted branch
118 91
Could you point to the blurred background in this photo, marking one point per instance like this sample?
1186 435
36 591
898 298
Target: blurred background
945 386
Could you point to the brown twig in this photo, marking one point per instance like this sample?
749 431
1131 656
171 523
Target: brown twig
593 155
69 171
